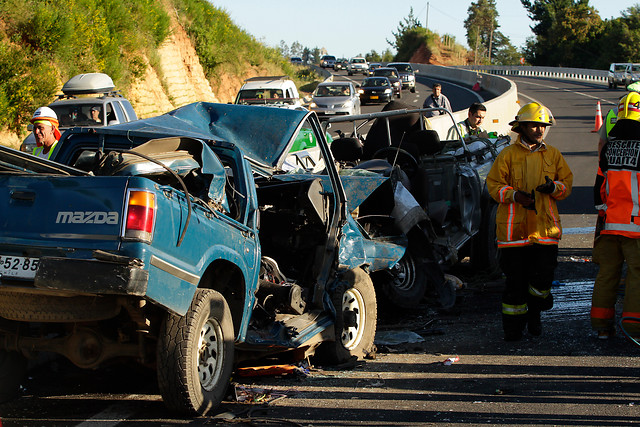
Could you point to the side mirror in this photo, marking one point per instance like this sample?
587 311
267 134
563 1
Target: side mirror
30 127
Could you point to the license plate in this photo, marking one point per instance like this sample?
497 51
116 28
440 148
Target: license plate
374 96
329 112
18 267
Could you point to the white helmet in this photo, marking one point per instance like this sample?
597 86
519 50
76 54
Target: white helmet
45 113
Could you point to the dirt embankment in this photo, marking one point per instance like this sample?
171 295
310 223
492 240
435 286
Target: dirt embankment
177 80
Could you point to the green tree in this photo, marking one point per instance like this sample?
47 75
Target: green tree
296 49
566 32
505 53
387 56
373 56
410 35
482 25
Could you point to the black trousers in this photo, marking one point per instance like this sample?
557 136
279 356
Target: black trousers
529 272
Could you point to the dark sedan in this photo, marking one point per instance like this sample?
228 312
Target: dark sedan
393 76
375 90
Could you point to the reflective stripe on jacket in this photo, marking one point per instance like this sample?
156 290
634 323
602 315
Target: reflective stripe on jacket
620 165
519 168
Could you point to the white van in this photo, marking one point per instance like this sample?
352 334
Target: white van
616 75
274 90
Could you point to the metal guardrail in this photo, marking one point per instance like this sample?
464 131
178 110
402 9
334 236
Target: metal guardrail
555 72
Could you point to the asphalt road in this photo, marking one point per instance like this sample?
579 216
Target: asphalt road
565 377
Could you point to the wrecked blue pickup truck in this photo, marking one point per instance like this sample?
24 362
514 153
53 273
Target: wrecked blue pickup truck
179 242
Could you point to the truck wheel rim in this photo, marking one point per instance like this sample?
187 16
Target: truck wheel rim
405 274
210 354
353 301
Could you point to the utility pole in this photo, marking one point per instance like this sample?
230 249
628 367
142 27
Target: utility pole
490 42
475 56
426 23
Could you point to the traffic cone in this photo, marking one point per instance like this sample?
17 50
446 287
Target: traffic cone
598 118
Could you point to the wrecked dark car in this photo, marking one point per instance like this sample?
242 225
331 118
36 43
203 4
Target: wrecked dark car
446 178
180 242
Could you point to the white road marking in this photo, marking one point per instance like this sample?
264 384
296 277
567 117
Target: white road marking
602 101
110 416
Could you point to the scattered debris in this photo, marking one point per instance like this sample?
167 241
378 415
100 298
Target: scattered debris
246 394
256 371
451 361
397 337
455 281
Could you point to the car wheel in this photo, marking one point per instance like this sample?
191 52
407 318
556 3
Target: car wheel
399 94
413 90
405 284
13 367
615 85
195 355
610 85
485 256
354 300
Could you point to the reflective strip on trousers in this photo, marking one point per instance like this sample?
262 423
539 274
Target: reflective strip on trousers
540 294
514 310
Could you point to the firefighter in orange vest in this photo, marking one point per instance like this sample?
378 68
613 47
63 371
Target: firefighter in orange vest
526 180
617 198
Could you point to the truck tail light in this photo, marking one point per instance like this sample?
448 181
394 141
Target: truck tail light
140 215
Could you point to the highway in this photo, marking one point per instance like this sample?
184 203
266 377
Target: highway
61 394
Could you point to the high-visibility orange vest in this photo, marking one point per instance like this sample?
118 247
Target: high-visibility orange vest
620 164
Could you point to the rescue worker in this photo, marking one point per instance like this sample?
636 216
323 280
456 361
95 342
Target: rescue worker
436 99
616 198
45 131
471 125
527 179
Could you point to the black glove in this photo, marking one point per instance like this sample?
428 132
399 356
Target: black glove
548 187
528 201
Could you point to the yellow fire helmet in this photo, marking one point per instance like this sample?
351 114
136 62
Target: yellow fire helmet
533 112
629 107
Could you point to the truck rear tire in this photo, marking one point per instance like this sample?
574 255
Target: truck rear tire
195 355
356 316
13 366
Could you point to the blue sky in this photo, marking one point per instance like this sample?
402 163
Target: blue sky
347 28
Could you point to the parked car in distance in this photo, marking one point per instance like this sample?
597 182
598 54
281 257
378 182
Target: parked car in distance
373 66
357 65
296 60
631 74
375 90
392 75
73 110
327 61
335 98
341 64
616 74
407 74
270 90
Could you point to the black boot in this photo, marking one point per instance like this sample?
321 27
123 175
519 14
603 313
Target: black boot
534 325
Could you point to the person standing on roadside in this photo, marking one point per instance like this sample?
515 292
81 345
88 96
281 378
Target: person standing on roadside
436 99
618 239
527 179
45 131
471 125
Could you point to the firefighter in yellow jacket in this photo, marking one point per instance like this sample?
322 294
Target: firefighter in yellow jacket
527 179
617 199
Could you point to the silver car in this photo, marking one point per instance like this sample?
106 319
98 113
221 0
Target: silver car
334 98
